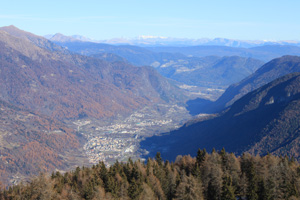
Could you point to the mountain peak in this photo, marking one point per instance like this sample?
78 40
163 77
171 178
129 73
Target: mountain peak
35 39
13 30
58 37
11 27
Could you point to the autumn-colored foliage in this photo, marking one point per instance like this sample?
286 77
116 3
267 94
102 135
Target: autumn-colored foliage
218 175
32 143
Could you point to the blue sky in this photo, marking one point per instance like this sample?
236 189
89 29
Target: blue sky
234 19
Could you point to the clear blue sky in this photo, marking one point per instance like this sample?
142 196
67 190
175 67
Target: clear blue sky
97 19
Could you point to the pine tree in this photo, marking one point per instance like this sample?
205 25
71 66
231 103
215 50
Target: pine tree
222 152
263 193
135 189
252 183
227 189
104 175
158 159
200 157
212 191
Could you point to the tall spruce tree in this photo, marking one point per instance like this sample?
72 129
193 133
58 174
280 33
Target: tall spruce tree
227 189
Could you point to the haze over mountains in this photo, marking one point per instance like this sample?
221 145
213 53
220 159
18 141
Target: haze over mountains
148 41
264 53
203 66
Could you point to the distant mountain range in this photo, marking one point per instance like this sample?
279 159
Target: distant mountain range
265 120
204 66
264 53
65 85
147 41
211 71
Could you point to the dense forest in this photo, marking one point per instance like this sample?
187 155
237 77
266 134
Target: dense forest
212 176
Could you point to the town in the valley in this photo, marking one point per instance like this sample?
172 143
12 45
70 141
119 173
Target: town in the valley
118 139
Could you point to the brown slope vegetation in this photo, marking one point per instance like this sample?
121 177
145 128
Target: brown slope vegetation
71 86
43 83
31 143
265 120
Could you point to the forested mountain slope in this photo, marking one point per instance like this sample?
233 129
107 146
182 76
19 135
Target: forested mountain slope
32 143
71 86
270 71
43 85
265 120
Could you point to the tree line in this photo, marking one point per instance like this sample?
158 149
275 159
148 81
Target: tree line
208 176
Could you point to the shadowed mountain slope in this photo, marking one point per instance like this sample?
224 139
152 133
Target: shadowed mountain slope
265 120
267 73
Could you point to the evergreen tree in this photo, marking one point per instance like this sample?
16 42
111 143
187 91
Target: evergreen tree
227 189
135 189
200 156
247 177
252 183
104 175
263 193
158 159
88 191
212 191
222 152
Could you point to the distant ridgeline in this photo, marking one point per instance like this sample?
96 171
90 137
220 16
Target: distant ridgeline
218 175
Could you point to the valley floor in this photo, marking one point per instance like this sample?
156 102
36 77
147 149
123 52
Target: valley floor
118 139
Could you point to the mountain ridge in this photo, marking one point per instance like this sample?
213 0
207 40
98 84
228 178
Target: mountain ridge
270 71
264 53
264 120
44 90
116 85
37 40
150 41
265 74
